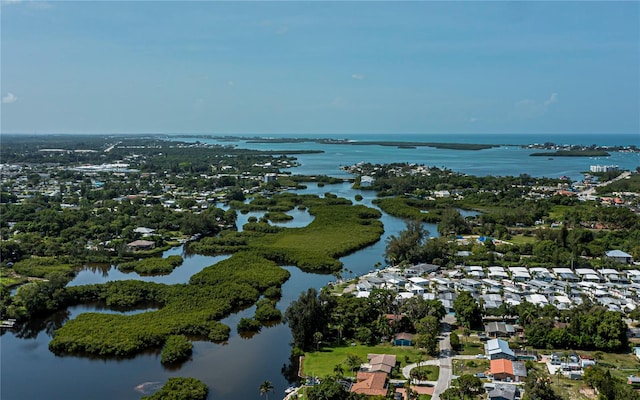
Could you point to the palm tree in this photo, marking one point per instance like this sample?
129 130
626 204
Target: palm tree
265 388
338 371
558 374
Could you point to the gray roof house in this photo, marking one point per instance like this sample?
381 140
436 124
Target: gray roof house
619 256
503 392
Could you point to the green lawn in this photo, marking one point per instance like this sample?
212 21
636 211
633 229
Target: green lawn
521 239
322 363
472 347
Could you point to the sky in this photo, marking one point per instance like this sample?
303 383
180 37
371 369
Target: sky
320 67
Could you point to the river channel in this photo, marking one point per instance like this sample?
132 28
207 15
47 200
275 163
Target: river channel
233 370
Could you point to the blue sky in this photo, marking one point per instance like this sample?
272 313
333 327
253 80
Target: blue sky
320 67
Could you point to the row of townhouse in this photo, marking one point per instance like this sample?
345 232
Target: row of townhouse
563 288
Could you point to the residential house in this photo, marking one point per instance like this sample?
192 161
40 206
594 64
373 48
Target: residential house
507 370
503 392
633 380
420 269
403 339
619 256
497 349
566 274
499 329
138 245
370 384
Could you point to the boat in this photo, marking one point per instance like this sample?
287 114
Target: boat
9 323
290 389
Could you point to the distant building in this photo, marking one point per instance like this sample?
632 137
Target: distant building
366 181
603 168
270 177
138 245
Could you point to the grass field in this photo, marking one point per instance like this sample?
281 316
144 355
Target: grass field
322 363
521 239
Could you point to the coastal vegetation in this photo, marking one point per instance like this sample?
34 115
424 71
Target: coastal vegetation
364 320
176 349
178 388
338 228
152 266
193 309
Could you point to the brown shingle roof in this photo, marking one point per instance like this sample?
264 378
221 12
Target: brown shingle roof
372 384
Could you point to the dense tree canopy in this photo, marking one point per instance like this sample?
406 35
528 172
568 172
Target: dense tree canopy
468 312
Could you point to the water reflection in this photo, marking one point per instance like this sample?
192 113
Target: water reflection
192 264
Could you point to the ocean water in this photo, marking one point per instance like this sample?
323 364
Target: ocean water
509 158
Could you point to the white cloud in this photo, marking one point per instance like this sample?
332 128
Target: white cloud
358 76
9 98
552 99
473 119
9 2
533 108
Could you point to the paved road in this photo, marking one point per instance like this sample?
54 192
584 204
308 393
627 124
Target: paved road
592 189
444 378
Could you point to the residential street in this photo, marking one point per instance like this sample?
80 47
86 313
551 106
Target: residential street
444 378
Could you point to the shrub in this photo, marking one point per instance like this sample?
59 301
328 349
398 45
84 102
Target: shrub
176 349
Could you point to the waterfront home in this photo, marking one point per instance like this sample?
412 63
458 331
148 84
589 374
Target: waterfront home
420 269
138 245
379 362
145 232
370 384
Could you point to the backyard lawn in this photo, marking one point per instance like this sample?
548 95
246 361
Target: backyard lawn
322 363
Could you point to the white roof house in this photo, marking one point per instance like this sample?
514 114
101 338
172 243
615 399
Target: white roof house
520 275
497 273
537 299
416 280
498 349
